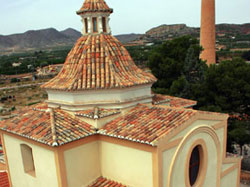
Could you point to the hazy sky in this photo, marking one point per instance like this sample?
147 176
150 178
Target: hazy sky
130 16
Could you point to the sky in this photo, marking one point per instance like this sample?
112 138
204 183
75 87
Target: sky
130 16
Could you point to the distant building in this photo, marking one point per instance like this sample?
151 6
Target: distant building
103 127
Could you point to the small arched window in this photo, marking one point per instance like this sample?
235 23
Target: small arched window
28 161
86 25
94 20
104 26
194 165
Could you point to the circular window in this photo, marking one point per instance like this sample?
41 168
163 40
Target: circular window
195 164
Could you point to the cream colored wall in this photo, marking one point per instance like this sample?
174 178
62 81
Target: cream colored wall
82 164
226 166
195 124
167 158
44 161
127 165
114 98
100 122
178 173
230 180
220 134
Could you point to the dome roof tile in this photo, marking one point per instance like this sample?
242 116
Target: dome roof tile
98 62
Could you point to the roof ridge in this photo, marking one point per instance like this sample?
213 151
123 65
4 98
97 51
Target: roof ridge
53 127
174 108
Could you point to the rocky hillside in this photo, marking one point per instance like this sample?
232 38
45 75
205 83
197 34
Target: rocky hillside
165 30
233 28
72 33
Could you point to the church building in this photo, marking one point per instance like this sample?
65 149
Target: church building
102 126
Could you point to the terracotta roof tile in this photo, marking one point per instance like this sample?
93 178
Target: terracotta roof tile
35 123
103 182
4 181
146 124
94 6
98 62
173 101
97 113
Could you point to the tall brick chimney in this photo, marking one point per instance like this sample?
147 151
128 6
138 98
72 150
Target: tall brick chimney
207 34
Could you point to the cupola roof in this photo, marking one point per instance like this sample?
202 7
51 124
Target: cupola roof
94 6
98 62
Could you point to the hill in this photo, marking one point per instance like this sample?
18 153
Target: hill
46 39
227 35
37 39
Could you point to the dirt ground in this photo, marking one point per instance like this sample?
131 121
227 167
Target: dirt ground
20 97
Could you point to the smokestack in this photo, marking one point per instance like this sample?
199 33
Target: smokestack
207 33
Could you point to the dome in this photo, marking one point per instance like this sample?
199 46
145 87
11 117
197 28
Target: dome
94 6
98 62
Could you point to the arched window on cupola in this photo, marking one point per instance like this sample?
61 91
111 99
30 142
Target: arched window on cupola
104 25
86 25
94 22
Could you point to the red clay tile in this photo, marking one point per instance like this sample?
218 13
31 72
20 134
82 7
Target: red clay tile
146 124
173 101
84 70
103 182
35 123
4 181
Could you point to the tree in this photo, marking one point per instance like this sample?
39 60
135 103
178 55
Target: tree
227 87
167 61
193 74
246 55
239 133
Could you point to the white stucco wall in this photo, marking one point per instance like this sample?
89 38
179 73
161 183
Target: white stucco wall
127 165
230 180
44 161
82 164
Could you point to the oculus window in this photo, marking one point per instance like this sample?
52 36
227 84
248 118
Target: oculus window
194 165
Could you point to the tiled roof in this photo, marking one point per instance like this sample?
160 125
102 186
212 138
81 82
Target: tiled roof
147 124
143 124
173 101
94 6
97 113
4 181
98 62
53 128
103 182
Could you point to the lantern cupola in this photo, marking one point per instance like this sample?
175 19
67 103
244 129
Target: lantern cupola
95 17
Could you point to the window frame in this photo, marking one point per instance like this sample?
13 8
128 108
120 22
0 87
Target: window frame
203 154
28 159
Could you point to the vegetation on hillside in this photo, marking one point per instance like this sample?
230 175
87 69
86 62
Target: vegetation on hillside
28 62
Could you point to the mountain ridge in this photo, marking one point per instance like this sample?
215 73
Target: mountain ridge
50 37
